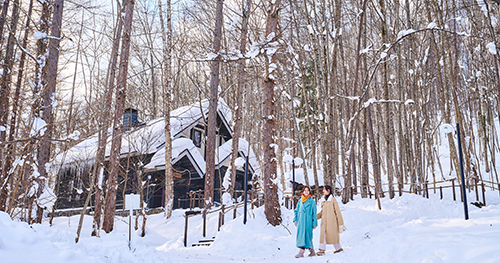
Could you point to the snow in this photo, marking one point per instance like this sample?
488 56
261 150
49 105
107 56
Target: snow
407 229
492 48
39 35
432 25
405 32
39 127
179 146
300 177
224 154
145 139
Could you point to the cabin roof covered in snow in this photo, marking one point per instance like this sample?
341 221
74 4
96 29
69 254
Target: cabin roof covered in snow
147 138
182 146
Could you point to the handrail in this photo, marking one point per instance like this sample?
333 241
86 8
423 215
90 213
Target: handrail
222 211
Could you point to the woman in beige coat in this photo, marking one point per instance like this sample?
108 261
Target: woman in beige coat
332 222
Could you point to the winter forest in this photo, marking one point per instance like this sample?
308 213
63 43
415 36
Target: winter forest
357 89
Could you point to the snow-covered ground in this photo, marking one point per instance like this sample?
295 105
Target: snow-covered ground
407 229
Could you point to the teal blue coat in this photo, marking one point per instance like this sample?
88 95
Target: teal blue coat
305 216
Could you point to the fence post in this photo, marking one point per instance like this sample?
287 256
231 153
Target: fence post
223 210
453 186
426 190
484 196
186 231
475 187
234 213
441 192
220 222
204 222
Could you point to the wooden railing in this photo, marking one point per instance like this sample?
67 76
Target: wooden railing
479 187
255 200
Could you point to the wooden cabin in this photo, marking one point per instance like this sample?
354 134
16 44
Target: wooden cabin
143 159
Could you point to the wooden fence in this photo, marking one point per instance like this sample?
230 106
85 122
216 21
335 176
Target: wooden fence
254 200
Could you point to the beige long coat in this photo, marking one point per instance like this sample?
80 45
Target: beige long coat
331 220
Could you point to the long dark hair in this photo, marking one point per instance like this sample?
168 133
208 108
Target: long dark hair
329 188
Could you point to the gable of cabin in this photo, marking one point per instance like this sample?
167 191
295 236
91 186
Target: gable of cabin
197 132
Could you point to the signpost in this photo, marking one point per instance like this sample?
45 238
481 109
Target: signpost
240 162
132 201
448 128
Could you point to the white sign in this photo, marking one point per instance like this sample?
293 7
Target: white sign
132 202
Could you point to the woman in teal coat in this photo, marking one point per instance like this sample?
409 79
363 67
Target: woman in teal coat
305 219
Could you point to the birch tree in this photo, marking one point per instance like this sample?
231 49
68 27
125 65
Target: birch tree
167 91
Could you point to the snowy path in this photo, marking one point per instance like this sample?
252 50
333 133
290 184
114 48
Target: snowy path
407 229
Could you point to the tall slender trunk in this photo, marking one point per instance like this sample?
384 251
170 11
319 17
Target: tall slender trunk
50 78
105 122
376 170
496 56
114 162
3 14
272 205
212 112
5 83
70 110
4 98
239 96
346 193
389 130
15 100
167 91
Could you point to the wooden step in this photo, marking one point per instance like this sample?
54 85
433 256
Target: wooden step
205 242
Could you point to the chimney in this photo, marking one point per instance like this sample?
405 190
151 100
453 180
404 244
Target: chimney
129 119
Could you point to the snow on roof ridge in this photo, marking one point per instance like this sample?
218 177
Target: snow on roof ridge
146 138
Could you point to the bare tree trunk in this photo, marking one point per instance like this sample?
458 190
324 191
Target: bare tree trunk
497 55
376 170
346 193
5 82
44 149
239 96
109 210
272 206
3 14
15 108
365 177
167 84
389 130
70 114
212 112
105 122
4 101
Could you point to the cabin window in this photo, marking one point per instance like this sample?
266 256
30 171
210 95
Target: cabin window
196 137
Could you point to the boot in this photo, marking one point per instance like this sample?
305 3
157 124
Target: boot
300 254
311 252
